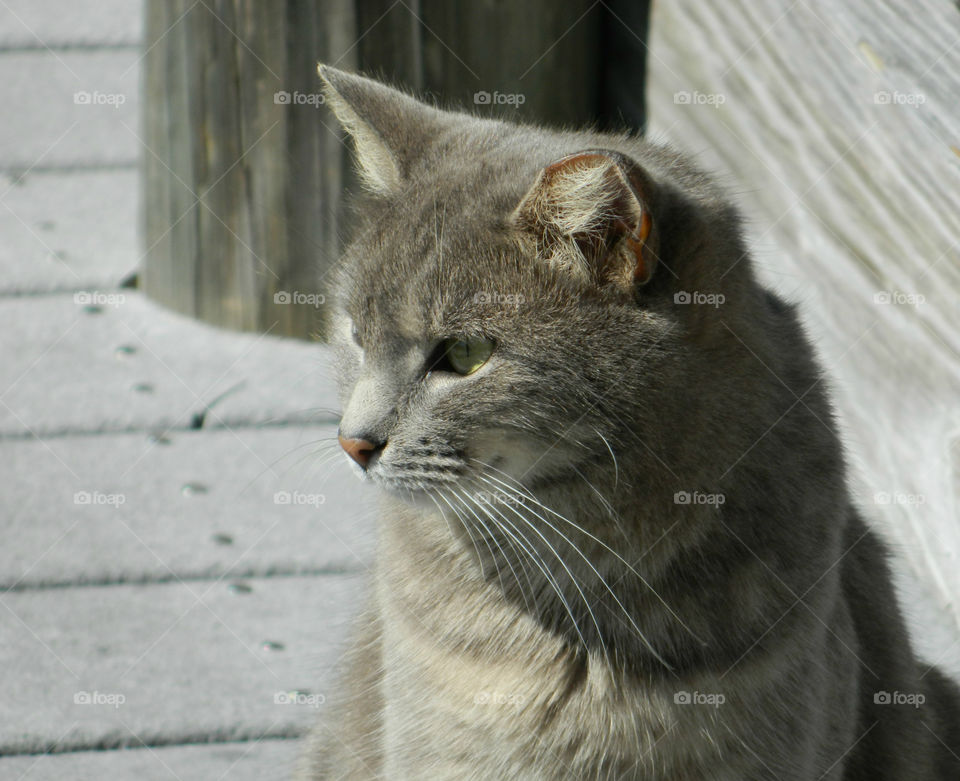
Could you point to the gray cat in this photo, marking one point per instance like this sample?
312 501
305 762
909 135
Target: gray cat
616 539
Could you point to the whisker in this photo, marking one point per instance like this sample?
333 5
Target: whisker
603 500
528 547
466 529
270 467
616 466
595 571
483 537
526 493
563 564
467 503
538 562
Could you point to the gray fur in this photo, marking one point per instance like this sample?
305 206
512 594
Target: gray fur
543 598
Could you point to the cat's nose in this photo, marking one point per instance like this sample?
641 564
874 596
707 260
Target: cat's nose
360 450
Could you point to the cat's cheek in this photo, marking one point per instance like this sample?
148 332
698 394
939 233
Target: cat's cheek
507 453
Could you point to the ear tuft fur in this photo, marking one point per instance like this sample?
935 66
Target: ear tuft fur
391 131
378 166
590 213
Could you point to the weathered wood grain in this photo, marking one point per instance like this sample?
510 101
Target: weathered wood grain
228 504
36 24
130 365
76 110
265 760
546 54
48 242
241 175
838 128
244 197
192 661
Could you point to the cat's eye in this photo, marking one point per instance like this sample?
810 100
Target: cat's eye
464 356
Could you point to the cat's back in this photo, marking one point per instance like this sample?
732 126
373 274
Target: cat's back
909 711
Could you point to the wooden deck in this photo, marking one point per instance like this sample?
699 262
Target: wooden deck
177 557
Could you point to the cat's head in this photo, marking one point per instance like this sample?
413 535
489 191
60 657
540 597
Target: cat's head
517 307
557 339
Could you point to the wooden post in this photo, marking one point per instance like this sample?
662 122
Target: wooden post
242 178
245 171
530 61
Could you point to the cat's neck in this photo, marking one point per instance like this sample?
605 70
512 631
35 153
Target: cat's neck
452 643
443 588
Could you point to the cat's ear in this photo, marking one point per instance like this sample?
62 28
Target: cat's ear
591 212
389 129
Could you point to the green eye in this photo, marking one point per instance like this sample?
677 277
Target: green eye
465 356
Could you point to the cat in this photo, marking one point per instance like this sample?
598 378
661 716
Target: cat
616 539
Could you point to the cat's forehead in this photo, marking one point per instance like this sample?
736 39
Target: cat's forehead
415 272
430 235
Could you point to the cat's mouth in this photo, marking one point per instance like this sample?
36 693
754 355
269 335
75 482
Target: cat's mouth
413 473
414 479
416 490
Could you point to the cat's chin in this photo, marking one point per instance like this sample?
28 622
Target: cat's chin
415 492
419 498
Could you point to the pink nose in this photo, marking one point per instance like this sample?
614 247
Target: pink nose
360 450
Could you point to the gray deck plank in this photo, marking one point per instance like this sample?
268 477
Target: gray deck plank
53 23
68 230
121 508
188 661
61 371
44 125
268 759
